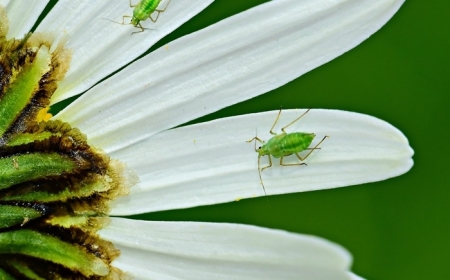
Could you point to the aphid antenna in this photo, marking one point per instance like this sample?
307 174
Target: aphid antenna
259 172
259 160
260 179
259 163
123 23
259 169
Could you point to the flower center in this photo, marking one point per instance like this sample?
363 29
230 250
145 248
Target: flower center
54 187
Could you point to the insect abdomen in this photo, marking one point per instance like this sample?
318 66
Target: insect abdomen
145 8
290 143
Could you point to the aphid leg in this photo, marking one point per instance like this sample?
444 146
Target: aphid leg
139 26
256 139
131 5
294 120
270 163
123 19
163 10
312 149
291 164
259 171
315 148
159 11
276 120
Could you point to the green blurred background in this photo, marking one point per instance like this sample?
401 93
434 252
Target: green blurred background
395 229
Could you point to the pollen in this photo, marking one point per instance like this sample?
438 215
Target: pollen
43 115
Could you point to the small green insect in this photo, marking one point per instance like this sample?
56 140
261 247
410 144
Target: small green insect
142 11
285 144
15 163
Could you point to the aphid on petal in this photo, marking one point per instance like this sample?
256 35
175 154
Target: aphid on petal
142 11
285 144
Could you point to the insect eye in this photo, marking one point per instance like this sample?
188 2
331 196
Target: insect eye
259 148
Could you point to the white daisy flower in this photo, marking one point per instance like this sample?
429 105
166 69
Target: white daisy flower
133 116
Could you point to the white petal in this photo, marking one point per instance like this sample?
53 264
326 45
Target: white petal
211 162
234 60
100 46
22 15
190 250
355 277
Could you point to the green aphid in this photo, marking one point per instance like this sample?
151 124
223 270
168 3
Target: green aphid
144 10
285 144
